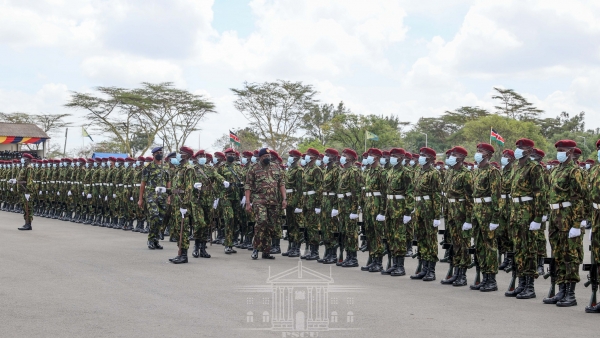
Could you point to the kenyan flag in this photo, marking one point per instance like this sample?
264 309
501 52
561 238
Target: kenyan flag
494 136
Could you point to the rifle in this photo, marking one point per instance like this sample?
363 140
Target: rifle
552 274
417 254
592 280
509 268
450 248
475 264
364 244
181 234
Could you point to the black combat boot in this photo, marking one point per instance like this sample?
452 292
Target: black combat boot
128 225
325 256
520 287
266 255
289 250
294 250
138 226
341 262
275 248
74 218
399 267
254 254
484 281
196 251
314 253
491 284
151 245
173 238
505 263
529 291
430 272
203 252
569 298
352 261
409 249
26 226
540 266
392 268
450 279
332 259
370 263
146 227
181 259
377 267
229 250
558 296
421 275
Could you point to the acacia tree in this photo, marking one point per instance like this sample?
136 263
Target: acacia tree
275 110
515 106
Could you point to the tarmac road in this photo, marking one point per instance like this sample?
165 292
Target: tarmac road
71 280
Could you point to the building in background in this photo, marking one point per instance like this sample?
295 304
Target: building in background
17 138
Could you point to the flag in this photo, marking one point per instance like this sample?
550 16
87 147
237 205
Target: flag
370 136
494 136
234 138
84 133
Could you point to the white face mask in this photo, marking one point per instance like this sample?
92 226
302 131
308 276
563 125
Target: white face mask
412 162
303 163
325 159
244 161
343 160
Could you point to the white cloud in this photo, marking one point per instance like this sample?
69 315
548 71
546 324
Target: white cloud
131 70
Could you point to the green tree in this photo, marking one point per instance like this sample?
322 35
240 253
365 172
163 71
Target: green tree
249 140
311 143
515 106
348 130
316 121
275 110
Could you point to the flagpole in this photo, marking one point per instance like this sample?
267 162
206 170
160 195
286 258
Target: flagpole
491 134
365 140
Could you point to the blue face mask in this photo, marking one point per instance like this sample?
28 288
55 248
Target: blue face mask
382 161
393 161
318 163
504 161
532 158
73 164
117 164
370 159
412 162
87 165
22 160
244 161
303 163
290 160
364 161
343 160
103 164
451 161
202 161
518 153
307 158
253 159
561 156
404 162
588 166
174 161
478 157
422 160
214 161
95 164
598 155
326 159
126 164
475 166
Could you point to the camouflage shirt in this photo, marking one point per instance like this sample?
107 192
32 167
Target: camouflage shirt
399 182
528 180
460 188
427 182
567 184
263 181
293 182
487 182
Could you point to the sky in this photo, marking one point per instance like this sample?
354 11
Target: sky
407 58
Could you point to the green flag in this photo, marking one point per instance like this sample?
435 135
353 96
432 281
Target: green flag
370 136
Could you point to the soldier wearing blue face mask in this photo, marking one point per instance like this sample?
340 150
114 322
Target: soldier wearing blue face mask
313 177
506 232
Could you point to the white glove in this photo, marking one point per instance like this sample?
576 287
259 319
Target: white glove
544 218
353 216
160 190
69 193
197 185
467 226
297 211
82 194
11 189
535 226
380 218
494 226
226 184
243 202
57 193
574 232
12 181
436 223
183 212
317 211
334 212
27 196
89 196
106 198
406 219
114 195
215 203
131 198
40 192
583 224
100 196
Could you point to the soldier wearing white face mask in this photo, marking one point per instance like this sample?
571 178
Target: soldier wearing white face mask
506 232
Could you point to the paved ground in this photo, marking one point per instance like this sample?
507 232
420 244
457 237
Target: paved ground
72 280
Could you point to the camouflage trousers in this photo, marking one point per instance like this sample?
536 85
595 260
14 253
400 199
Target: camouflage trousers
596 236
292 220
156 206
329 225
182 223
202 221
229 220
312 224
348 227
278 231
566 251
461 240
27 208
540 240
266 216
395 229
525 240
425 232
485 240
375 230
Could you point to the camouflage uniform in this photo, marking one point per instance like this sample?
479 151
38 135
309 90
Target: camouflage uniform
182 197
25 186
428 207
594 200
505 232
230 201
209 177
154 175
313 178
350 183
459 192
263 181
400 203
293 182
330 225
374 205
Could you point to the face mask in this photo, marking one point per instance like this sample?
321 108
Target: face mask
446 167
22 160
370 159
475 166
470 168
451 161
73 165
230 159
174 161
438 167
362 168
422 161
95 164
478 157
214 161
404 162
364 161
548 167
598 155
303 163
138 163
202 161
587 166
307 158
318 163
253 159
326 159
290 161
87 165
343 160
393 161
382 161
103 164
532 158
117 164
504 161
266 161
158 157
412 162
126 164
518 153
561 156
244 161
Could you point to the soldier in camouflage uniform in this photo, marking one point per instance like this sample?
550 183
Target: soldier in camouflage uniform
567 185
410 226
538 155
127 197
262 182
459 202
349 190
24 184
505 232
139 213
293 183
154 176
230 201
313 178
487 186
87 189
528 206
246 228
329 213
400 203
594 201
428 211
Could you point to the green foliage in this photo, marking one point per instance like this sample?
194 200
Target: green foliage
515 106
348 131
249 140
316 122
311 143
